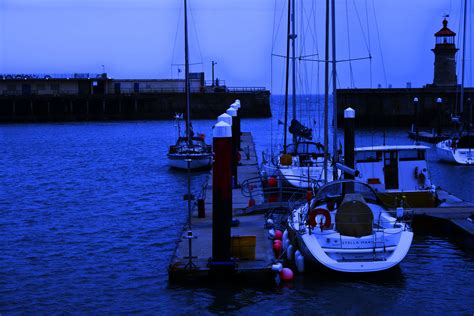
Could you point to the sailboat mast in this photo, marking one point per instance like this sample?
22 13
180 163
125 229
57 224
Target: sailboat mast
186 73
285 125
461 107
334 94
326 95
293 66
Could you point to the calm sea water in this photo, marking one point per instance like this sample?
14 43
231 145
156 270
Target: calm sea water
89 213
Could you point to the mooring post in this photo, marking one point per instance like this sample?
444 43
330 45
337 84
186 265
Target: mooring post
439 103
236 106
233 113
221 195
349 140
415 107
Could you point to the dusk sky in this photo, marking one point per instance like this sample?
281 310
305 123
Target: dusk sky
143 38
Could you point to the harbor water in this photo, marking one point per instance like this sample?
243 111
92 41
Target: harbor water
90 213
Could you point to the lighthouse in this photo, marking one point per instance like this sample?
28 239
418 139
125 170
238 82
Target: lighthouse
445 61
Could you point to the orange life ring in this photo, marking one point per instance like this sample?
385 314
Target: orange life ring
319 211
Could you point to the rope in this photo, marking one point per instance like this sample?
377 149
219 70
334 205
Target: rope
196 35
380 44
351 74
176 34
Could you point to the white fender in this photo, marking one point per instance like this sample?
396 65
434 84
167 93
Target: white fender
289 252
299 261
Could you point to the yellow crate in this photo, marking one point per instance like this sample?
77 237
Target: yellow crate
243 247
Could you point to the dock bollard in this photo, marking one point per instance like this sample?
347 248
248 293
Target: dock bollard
233 113
349 140
236 106
221 196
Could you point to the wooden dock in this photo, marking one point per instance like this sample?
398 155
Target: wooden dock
180 268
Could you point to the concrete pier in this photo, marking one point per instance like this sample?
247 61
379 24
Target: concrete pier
253 270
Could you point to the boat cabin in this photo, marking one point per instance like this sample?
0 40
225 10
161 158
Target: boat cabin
393 168
197 145
306 153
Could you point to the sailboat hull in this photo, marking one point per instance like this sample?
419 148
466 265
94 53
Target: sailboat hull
198 161
464 156
359 260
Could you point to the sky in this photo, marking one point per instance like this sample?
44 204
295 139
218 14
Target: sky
138 39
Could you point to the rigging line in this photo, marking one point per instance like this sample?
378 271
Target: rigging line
190 64
351 74
368 41
338 61
275 35
380 44
176 35
195 33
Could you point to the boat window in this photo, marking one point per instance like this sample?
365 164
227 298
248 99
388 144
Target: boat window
406 155
368 156
337 190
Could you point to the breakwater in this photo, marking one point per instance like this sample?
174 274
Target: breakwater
395 106
143 106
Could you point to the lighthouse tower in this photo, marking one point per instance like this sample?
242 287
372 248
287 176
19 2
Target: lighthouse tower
445 62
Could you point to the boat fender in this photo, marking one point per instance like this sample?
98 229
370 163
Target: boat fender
400 212
277 267
416 172
299 261
319 211
271 233
286 240
289 252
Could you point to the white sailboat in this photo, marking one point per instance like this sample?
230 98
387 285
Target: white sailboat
459 149
301 163
347 228
189 152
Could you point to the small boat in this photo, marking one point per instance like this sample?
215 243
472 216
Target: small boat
302 165
397 173
346 228
189 152
458 150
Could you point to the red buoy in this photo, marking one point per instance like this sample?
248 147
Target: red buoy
251 202
286 274
277 246
278 234
272 182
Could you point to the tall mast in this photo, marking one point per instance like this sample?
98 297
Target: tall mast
461 108
293 65
186 73
285 126
326 95
334 94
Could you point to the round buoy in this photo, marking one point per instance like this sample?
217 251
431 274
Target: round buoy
271 233
272 182
278 234
277 246
286 274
